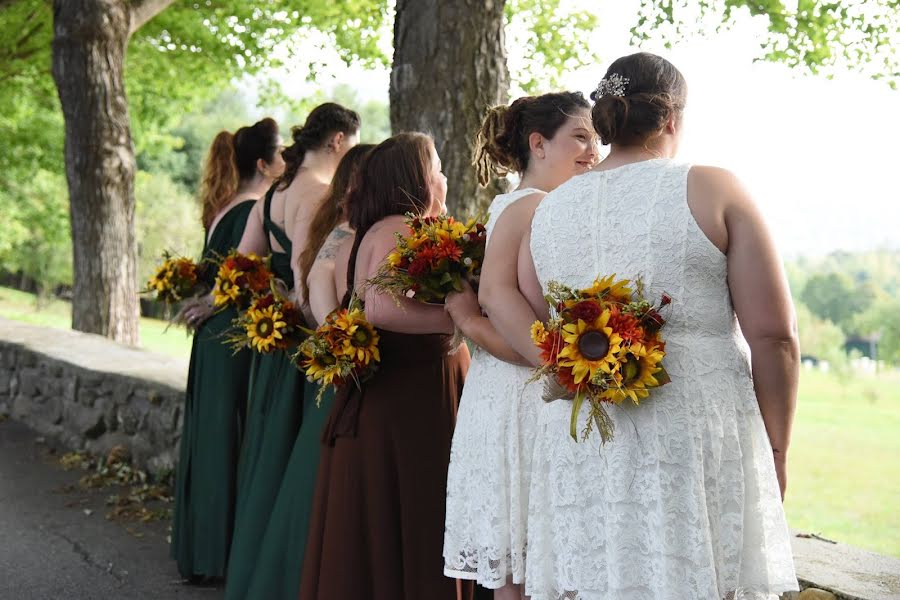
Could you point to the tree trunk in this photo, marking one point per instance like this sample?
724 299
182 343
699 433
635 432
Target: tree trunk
89 43
449 66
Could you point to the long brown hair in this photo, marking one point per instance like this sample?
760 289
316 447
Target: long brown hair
392 180
501 145
322 122
232 159
331 212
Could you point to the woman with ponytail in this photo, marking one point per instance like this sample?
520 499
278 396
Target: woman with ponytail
545 140
378 512
281 551
239 169
280 224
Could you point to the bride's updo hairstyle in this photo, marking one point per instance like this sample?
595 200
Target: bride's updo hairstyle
501 145
636 98
392 179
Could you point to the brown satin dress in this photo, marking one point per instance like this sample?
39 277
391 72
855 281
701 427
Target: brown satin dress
378 514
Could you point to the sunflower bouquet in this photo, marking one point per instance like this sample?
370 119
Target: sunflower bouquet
175 279
433 259
240 279
602 344
343 349
270 323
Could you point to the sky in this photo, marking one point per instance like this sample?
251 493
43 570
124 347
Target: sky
819 156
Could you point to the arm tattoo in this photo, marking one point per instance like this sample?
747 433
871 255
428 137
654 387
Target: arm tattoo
331 245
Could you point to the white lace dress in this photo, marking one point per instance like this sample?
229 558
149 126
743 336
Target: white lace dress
490 462
683 504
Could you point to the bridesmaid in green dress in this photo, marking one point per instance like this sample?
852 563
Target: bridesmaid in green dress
238 170
280 224
277 570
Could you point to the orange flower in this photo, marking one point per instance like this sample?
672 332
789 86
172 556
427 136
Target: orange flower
626 325
449 250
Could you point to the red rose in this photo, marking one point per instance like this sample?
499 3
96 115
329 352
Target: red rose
265 301
586 310
653 321
666 300
418 266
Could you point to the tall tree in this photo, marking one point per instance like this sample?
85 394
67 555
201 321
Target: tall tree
89 43
90 40
449 65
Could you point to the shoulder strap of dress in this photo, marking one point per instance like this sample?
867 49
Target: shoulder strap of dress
270 227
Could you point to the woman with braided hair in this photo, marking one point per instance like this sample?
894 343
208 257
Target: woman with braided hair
280 224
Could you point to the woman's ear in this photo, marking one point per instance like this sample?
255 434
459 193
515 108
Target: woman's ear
336 142
536 144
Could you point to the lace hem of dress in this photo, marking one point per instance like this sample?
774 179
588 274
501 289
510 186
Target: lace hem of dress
490 573
739 594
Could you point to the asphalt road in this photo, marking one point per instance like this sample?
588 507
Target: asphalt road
56 543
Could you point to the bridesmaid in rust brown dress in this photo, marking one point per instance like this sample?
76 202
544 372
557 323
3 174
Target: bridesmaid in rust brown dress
378 514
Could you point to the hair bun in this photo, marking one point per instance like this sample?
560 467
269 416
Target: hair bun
655 93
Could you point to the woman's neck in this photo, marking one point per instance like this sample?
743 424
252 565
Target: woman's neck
252 188
319 164
545 182
624 155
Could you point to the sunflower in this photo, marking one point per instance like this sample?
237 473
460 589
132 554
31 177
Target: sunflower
637 373
538 333
609 289
265 328
324 368
226 289
361 341
589 348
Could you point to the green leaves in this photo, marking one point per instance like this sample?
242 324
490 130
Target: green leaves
815 36
544 42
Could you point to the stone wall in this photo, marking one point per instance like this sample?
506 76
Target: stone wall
90 393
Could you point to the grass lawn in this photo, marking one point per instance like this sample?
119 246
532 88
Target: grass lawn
20 306
844 463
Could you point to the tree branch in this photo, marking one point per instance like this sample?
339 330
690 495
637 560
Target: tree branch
144 10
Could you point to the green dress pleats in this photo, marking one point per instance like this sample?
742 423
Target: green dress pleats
273 420
280 561
214 409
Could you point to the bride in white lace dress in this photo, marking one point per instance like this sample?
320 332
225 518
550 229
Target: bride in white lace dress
685 501
546 139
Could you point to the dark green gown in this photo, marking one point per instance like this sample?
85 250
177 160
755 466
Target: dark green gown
280 562
214 408
273 420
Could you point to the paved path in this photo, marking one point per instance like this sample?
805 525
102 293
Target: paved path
51 549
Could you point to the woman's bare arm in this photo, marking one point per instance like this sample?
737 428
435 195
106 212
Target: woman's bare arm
323 295
762 303
466 314
395 314
499 293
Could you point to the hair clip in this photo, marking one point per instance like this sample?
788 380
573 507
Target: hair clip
612 85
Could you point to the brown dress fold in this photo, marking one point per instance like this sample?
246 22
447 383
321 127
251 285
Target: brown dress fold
378 514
